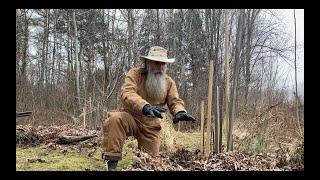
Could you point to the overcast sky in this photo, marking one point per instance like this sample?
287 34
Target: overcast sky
289 23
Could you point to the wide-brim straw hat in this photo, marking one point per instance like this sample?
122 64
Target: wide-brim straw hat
157 53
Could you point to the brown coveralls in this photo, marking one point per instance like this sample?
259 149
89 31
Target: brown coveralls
131 121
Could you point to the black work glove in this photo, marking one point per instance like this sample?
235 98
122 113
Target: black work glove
153 111
183 116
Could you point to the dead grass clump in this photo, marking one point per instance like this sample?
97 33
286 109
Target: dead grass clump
167 135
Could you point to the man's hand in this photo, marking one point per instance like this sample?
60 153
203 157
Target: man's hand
153 111
183 116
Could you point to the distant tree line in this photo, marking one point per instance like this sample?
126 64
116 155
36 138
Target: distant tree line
70 64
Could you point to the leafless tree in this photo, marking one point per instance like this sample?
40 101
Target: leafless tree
235 79
295 72
76 59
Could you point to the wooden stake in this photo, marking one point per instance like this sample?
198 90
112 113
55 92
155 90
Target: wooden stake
217 126
202 125
209 126
90 113
84 117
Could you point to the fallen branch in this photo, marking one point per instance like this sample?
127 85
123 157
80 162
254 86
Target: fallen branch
74 139
23 114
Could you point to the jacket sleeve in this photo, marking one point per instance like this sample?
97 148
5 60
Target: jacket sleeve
175 103
129 92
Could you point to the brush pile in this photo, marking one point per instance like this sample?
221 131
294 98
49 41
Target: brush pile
54 137
184 160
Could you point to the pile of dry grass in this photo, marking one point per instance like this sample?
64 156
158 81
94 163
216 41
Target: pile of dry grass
167 136
170 139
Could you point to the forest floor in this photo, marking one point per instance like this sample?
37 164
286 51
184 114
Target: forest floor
38 149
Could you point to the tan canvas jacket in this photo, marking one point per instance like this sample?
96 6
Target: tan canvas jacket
134 96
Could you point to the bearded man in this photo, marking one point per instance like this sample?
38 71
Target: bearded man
144 93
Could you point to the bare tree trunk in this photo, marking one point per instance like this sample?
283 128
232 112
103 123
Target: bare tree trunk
105 48
129 45
23 24
54 53
208 34
252 14
70 67
43 80
47 73
246 69
158 29
295 71
226 71
235 78
59 62
43 53
217 75
76 60
25 48
134 50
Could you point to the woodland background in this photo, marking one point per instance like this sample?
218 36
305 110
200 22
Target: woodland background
70 64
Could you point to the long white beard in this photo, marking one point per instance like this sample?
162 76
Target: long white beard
156 85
